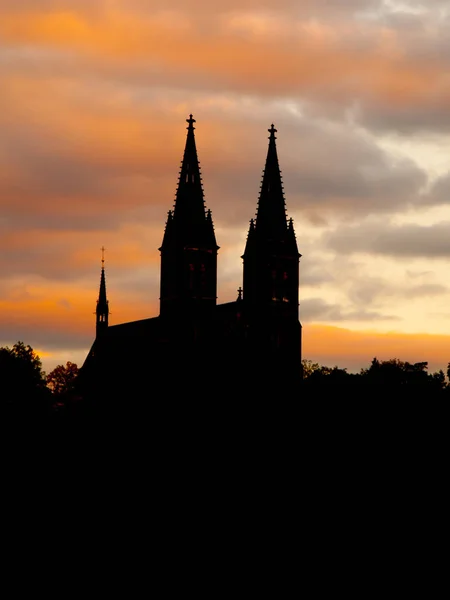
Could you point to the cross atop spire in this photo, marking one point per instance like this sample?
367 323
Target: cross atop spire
103 256
191 122
272 132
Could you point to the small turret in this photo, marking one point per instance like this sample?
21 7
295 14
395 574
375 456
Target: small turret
102 309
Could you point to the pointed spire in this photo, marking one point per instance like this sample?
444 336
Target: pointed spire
251 229
189 244
102 310
250 243
271 212
168 229
271 253
189 201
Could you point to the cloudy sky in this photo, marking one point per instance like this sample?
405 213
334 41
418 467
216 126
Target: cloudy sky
93 102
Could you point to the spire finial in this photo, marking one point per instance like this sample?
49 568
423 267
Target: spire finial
103 256
272 131
239 293
191 122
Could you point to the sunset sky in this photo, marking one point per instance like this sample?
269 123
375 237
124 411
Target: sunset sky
94 97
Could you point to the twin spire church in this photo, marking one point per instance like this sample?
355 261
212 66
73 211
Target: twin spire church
196 346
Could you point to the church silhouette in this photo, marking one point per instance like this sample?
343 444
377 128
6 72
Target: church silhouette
196 347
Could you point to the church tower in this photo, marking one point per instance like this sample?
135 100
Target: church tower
102 309
188 284
271 265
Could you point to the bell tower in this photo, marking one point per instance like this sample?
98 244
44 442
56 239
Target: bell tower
271 272
188 283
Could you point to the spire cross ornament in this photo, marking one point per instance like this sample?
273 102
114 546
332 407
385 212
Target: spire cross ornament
272 130
191 122
103 256
240 293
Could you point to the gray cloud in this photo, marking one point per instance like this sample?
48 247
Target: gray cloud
430 114
440 192
366 299
45 335
378 292
418 274
425 290
326 171
314 273
316 309
406 241
339 169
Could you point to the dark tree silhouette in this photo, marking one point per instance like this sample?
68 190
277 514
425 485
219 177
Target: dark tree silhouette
403 379
393 379
62 382
23 389
62 379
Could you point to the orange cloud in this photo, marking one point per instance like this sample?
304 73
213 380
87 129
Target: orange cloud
300 57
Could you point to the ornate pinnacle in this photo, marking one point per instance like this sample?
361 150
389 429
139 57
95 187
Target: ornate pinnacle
191 122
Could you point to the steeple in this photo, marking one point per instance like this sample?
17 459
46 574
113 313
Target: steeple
270 295
271 255
189 248
102 309
189 202
271 212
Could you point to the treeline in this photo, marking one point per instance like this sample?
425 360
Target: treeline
392 378
27 391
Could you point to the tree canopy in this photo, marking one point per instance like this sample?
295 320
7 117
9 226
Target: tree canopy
394 378
23 389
